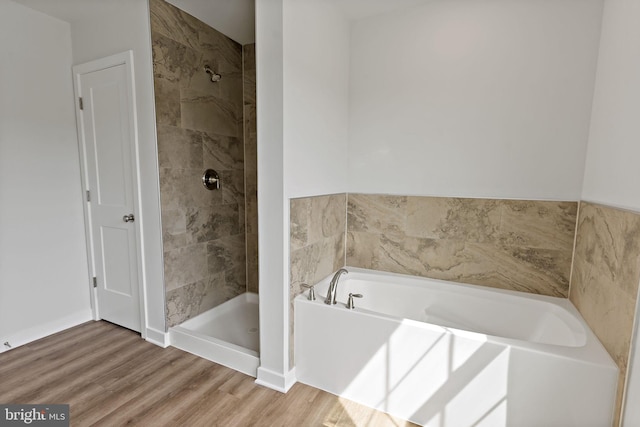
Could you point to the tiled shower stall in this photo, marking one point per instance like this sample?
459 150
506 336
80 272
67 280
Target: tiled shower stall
209 237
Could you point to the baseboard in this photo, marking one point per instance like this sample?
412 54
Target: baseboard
218 351
51 327
276 381
159 338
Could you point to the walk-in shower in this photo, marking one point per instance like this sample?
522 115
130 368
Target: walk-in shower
205 114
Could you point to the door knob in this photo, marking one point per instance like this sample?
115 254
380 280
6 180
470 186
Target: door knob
128 218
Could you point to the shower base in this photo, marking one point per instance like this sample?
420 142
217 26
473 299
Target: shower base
227 334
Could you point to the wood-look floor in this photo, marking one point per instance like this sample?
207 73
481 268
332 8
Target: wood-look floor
111 377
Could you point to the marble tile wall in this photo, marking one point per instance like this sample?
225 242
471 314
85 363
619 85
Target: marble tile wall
509 244
200 126
606 273
251 164
317 244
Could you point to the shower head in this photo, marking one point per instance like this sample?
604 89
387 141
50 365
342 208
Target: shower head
215 77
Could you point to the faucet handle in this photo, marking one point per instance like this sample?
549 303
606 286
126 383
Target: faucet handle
312 291
350 305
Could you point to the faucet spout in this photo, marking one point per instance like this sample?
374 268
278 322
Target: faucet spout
333 286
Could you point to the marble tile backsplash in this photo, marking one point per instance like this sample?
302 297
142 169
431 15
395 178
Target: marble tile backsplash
509 244
317 238
606 273
317 244
200 126
250 163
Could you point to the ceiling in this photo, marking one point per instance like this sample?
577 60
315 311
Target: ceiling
234 18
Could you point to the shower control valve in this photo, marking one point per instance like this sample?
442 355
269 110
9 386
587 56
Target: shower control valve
211 180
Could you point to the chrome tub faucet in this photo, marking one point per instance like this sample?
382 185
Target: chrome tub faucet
333 286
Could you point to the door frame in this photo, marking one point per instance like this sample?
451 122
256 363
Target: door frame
126 59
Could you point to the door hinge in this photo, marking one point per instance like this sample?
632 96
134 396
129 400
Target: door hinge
88 196
95 282
80 103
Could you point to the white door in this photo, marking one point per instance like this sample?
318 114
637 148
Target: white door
107 131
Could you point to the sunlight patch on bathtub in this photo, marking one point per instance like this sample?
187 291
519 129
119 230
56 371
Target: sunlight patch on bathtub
447 378
478 390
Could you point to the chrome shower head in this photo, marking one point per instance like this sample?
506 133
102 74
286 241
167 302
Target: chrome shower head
215 77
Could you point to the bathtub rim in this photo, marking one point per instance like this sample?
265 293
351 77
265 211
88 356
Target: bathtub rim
591 352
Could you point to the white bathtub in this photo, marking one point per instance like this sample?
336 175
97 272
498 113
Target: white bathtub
451 355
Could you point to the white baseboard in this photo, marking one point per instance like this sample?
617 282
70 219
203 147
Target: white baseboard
218 351
159 338
51 327
276 381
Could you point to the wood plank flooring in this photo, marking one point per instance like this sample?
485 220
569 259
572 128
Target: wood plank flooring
111 377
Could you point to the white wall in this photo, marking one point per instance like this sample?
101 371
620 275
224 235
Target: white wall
612 175
44 282
302 83
103 29
475 99
273 218
316 98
